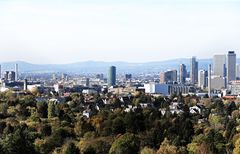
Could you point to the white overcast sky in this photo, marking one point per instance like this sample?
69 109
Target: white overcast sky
65 31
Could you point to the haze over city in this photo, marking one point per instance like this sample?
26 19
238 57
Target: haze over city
133 31
119 77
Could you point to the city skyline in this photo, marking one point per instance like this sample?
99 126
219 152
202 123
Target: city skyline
60 32
127 77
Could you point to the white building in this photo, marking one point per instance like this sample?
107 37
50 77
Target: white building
154 88
202 79
89 91
234 87
218 82
34 87
59 88
238 71
167 89
219 65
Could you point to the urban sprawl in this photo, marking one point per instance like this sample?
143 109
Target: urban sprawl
173 112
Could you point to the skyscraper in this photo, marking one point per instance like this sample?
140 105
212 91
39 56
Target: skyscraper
5 75
11 76
238 71
219 65
16 72
112 76
64 76
202 79
182 73
25 84
54 76
0 71
168 76
194 70
231 66
87 82
209 80
128 76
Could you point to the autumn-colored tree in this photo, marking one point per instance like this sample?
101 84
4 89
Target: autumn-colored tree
236 149
147 150
167 148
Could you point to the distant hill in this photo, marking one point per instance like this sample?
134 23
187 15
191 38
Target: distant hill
102 67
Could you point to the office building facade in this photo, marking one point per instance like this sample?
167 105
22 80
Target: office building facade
218 83
168 76
182 73
231 66
202 79
128 76
112 76
16 72
194 70
11 76
219 65
238 71
5 75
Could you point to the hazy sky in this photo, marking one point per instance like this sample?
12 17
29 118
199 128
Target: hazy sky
63 31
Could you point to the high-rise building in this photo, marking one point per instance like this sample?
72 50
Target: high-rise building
202 79
64 76
100 76
219 65
87 82
168 76
54 76
128 76
209 80
238 71
0 71
5 75
194 70
112 76
231 66
182 73
16 72
11 76
25 84
218 82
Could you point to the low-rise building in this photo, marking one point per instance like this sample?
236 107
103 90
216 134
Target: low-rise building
168 89
234 87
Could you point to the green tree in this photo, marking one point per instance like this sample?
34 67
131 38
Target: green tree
55 140
19 142
89 150
42 109
70 148
3 108
118 126
82 126
125 144
116 103
51 109
134 121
